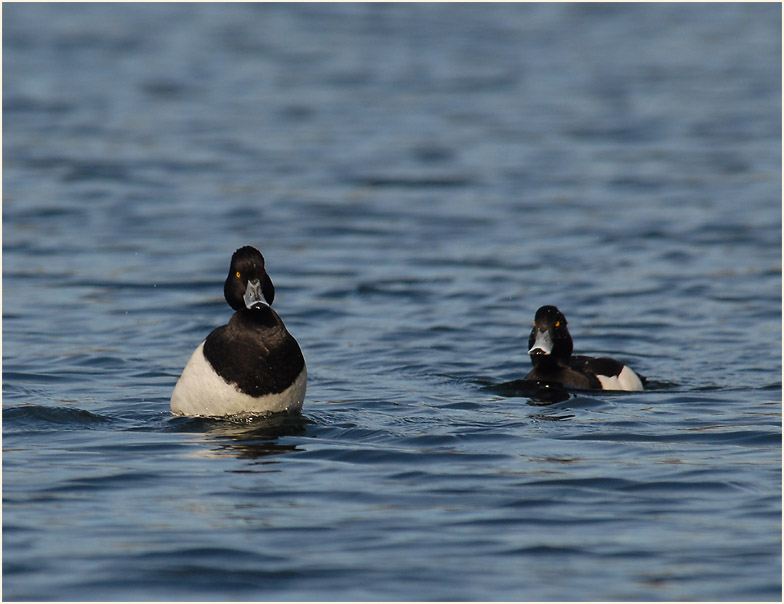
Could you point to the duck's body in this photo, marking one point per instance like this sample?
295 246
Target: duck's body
251 366
550 347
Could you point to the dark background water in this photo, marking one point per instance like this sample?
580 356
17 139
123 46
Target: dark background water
420 179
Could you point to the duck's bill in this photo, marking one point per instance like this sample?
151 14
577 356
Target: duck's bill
543 344
253 297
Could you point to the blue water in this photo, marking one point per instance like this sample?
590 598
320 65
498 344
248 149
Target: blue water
420 179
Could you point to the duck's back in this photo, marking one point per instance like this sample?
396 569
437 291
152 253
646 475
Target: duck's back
611 374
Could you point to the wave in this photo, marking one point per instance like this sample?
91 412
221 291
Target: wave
36 417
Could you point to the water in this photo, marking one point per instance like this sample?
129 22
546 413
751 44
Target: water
420 178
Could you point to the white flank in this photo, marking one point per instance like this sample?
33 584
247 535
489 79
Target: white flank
626 380
201 392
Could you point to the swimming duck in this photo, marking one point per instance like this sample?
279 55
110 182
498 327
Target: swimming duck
550 347
253 365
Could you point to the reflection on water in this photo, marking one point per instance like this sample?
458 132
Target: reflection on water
538 392
245 438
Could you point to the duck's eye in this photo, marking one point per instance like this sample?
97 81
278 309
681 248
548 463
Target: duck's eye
557 323
534 323
238 275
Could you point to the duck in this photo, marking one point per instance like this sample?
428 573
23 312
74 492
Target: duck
250 366
550 348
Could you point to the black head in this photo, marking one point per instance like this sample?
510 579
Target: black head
248 281
549 339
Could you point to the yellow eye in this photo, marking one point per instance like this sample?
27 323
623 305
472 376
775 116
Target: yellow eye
238 274
557 323
534 323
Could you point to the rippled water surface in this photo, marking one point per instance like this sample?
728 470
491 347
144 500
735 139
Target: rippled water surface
420 178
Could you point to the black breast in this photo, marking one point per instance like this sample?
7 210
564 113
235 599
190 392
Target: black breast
255 352
566 376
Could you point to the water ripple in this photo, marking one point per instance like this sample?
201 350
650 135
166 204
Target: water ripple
37 417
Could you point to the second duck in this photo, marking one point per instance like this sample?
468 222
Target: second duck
550 347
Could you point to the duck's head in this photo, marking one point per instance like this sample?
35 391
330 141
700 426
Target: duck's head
248 284
550 338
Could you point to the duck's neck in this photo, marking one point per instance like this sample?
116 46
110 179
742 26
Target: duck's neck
257 317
